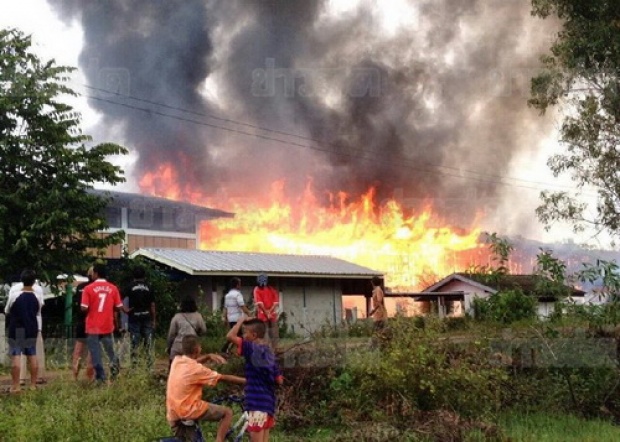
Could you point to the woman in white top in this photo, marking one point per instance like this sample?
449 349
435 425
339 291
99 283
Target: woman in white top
234 306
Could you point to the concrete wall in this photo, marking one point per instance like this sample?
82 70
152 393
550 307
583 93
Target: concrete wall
308 303
308 308
545 309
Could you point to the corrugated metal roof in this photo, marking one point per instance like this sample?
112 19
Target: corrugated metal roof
207 262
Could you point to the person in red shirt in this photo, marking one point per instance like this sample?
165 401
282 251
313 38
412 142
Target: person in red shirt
99 300
267 301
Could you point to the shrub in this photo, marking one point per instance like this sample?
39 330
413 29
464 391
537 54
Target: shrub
418 371
360 329
216 327
505 307
457 323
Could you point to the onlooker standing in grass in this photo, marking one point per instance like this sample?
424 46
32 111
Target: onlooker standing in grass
23 329
262 374
80 349
184 390
188 322
141 316
99 300
234 307
14 292
378 312
266 303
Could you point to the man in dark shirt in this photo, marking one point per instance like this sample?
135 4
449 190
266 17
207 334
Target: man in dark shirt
80 348
23 330
141 316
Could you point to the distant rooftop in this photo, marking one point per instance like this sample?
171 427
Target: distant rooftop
527 283
121 199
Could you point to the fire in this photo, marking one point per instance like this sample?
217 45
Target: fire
412 248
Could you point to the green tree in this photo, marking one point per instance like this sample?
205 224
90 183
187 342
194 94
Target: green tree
553 279
163 288
581 74
604 273
500 249
48 219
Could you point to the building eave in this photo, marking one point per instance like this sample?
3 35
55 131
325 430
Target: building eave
457 277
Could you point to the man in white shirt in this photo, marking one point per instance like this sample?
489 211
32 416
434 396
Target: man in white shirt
14 292
234 307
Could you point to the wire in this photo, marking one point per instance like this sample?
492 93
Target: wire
497 179
301 137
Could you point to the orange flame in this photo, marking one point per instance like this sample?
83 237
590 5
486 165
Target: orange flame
411 248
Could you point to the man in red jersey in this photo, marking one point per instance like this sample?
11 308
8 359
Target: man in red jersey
99 300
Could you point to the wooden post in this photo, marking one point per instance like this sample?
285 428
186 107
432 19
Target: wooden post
68 310
3 341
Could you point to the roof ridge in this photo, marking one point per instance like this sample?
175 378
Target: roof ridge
241 252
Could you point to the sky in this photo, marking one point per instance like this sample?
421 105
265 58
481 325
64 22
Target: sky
51 39
526 168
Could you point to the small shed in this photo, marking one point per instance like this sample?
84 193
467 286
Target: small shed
311 287
455 293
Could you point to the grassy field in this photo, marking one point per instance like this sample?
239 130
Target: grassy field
435 385
132 409
539 427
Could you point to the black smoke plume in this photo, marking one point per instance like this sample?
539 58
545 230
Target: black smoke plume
430 106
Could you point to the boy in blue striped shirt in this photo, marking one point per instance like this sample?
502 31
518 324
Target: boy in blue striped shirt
262 375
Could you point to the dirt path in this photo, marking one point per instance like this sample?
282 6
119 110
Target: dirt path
51 376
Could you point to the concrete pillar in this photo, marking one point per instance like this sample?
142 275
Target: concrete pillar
441 307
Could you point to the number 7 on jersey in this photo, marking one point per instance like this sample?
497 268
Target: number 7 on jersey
102 297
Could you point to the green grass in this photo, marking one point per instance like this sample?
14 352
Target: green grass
546 427
133 409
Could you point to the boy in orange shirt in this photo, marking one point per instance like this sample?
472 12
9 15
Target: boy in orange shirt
184 390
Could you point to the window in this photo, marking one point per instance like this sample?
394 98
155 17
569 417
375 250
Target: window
113 217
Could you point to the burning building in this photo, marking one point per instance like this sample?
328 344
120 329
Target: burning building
153 222
382 134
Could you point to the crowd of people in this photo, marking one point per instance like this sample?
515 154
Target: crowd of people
98 309
99 305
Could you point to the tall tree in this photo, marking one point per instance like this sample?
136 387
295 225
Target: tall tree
48 219
582 74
